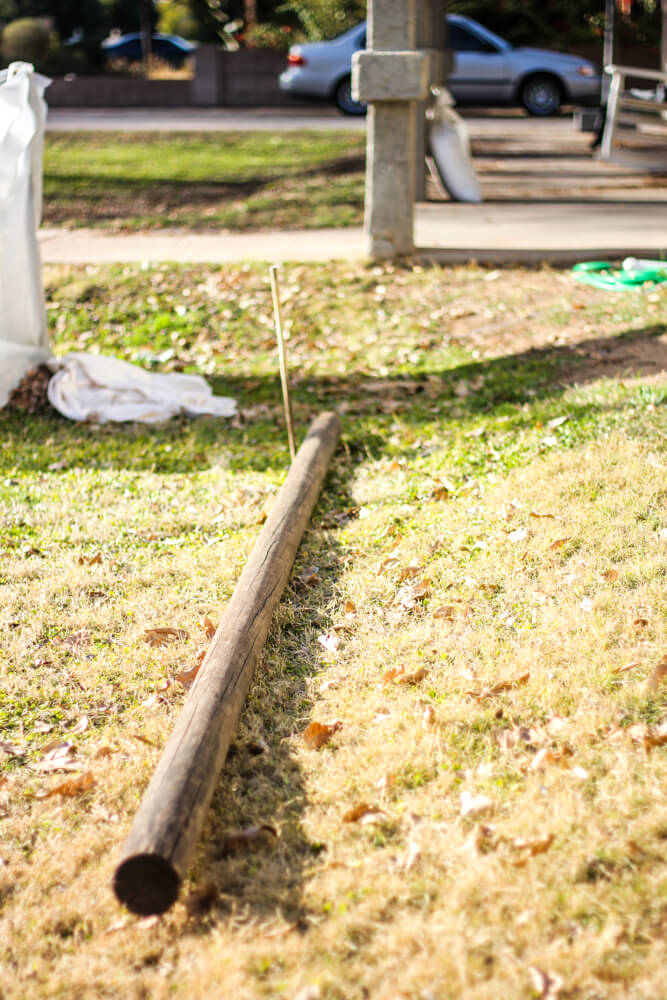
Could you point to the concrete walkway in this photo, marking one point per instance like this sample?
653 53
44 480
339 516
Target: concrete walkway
500 232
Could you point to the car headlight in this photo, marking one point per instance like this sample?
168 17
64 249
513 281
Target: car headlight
586 71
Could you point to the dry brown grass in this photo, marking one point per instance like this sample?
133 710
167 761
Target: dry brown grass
515 827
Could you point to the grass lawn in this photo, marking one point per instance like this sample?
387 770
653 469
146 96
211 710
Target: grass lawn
200 180
479 602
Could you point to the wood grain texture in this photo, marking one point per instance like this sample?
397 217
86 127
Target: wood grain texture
163 837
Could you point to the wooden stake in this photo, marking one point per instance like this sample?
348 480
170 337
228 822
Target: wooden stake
163 837
277 313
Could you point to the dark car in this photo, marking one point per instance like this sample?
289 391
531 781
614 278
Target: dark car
171 49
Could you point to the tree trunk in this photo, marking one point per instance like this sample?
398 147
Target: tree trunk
250 13
146 22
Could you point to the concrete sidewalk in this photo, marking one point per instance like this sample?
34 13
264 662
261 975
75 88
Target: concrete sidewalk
497 232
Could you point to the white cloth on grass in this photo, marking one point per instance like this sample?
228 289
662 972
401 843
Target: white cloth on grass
103 389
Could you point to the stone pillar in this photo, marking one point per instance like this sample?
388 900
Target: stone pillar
393 77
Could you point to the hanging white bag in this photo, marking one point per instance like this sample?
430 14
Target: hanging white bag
23 331
450 146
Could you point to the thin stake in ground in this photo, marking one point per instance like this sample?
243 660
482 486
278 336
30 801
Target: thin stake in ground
277 313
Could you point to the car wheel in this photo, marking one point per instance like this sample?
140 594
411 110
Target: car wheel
541 95
344 99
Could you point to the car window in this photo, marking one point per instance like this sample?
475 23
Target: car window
462 40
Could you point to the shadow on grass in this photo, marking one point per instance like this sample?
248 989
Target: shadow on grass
369 405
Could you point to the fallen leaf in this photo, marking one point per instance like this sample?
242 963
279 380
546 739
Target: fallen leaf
475 805
547 985
118 925
628 666
71 788
534 513
611 575
429 717
391 562
10 748
556 422
81 725
329 641
209 628
77 640
655 737
362 812
161 635
42 727
658 675
244 840
58 756
413 678
528 847
640 622
144 739
409 572
319 733
350 608
559 543
586 604
309 577
549 755
90 560
441 490
412 856
104 751
448 612
187 677
500 688
409 596
518 535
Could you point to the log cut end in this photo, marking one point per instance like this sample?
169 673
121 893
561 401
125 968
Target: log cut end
146 884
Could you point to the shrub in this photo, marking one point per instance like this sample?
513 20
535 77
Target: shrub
323 19
269 36
25 40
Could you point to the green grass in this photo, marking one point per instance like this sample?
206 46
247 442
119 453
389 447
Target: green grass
235 180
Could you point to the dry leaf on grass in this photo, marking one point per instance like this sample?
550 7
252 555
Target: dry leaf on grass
441 490
640 622
187 677
628 666
105 751
161 635
208 626
319 733
551 755
658 675
535 514
500 688
429 718
71 788
11 749
81 725
409 596
611 575
391 562
248 839
397 675
363 813
409 572
78 640
90 560
559 543
547 985
350 608
655 737
475 805
58 756
309 577
329 641
529 847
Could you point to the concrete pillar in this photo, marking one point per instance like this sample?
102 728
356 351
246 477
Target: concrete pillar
394 76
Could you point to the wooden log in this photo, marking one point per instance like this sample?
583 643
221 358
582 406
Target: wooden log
166 828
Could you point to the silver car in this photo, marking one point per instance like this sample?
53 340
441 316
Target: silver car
487 70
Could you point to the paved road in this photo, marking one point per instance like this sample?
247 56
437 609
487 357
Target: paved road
200 119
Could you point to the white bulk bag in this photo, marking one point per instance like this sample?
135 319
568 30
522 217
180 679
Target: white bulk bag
450 146
22 312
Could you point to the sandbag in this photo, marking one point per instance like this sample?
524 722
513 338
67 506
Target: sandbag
22 121
450 146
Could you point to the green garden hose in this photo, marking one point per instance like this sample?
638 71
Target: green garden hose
633 273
